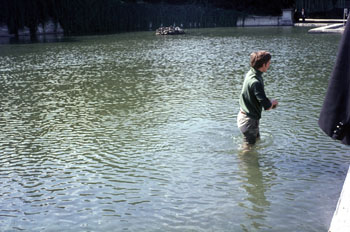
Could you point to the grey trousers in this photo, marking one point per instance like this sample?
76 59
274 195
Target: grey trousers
249 128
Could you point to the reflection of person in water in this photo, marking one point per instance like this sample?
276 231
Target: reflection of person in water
256 189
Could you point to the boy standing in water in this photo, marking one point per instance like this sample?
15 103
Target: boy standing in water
252 98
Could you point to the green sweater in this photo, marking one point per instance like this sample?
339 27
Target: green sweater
253 98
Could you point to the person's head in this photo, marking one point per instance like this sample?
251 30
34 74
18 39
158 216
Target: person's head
260 60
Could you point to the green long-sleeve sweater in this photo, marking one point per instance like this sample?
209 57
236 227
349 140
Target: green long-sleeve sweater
253 97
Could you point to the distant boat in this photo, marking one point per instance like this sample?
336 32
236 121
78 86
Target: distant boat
170 31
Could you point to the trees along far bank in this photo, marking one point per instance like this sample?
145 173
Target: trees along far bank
110 16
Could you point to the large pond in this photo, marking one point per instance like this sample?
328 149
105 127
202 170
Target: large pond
135 132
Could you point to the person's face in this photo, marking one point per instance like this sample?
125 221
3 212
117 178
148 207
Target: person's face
266 66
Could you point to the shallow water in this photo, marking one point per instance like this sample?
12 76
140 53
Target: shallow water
134 132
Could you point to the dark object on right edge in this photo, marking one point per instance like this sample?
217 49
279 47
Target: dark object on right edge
335 115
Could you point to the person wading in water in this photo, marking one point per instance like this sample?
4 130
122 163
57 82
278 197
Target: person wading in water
253 98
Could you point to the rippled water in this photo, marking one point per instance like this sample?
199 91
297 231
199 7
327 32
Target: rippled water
134 132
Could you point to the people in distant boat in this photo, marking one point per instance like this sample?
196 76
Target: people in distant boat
169 31
253 98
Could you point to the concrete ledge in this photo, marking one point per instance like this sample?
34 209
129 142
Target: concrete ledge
341 217
328 21
333 28
310 24
253 20
258 21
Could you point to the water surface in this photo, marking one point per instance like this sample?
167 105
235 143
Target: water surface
135 132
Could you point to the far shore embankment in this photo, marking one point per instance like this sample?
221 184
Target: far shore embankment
318 26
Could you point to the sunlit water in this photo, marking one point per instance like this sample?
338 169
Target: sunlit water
134 132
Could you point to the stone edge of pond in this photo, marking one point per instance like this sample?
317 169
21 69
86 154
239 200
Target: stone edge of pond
341 217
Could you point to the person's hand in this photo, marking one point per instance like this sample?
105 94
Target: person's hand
274 104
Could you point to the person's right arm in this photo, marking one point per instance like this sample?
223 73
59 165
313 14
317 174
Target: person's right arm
261 96
274 104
